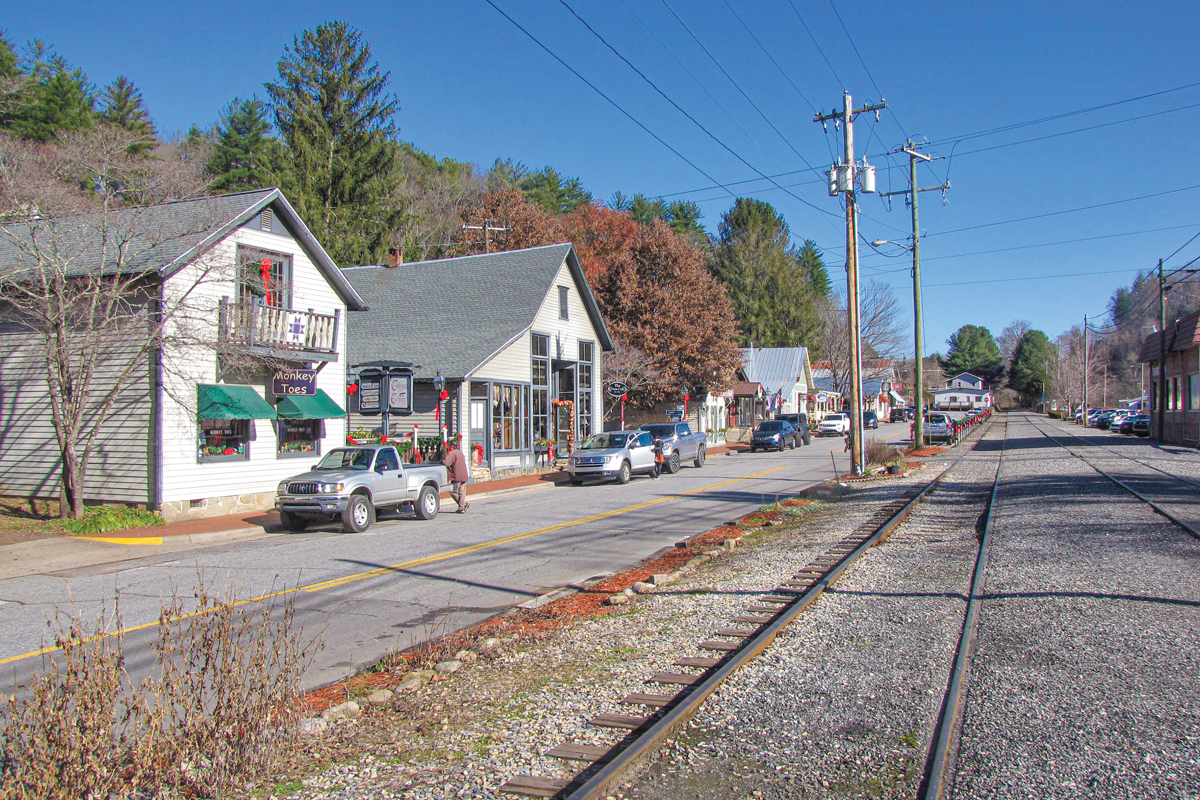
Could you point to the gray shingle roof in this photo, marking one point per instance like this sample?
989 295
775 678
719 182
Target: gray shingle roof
160 238
453 314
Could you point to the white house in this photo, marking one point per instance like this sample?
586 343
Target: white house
238 397
785 374
963 391
516 336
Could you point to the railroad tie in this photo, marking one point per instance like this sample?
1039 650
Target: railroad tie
740 633
617 721
643 699
717 644
753 619
533 786
573 751
770 609
697 661
775 598
795 587
677 678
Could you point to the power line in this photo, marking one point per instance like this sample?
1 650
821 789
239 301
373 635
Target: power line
771 57
836 77
1035 277
680 109
866 69
612 102
743 93
1065 211
698 83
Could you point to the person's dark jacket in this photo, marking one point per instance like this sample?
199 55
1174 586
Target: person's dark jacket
456 464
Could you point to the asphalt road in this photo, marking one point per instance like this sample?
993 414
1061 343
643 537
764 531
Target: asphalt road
404 580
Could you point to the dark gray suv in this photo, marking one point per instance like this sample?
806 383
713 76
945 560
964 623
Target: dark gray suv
800 423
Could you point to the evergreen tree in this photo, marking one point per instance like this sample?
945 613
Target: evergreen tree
8 56
1121 307
123 106
505 175
812 262
1032 366
974 350
60 98
242 154
770 289
555 195
335 115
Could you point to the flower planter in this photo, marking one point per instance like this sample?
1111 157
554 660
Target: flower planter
893 469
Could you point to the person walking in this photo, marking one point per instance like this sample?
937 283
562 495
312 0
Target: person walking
456 465
659 459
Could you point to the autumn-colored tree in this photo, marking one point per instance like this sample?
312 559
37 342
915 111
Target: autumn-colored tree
660 299
598 234
525 224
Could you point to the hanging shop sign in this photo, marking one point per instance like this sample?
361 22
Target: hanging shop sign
399 394
617 388
294 383
370 391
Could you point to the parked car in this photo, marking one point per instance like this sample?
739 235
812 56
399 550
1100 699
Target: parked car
352 482
679 444
800 423
898 415
938 427
1104 419
613 455
835 424
1126 426
870 420
1141 425
774 434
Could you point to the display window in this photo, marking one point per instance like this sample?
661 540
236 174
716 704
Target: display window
224 439
298 437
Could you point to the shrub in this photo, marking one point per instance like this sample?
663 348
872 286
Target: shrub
98 519
218 710
881 454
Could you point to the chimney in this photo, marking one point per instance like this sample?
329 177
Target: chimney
395 257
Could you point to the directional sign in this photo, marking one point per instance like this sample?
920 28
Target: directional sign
617 388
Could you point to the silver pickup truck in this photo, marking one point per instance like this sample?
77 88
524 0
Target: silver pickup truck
679 444
351 482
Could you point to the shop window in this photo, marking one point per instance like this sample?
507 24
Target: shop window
298 437
1193 392
540 394
264 276
224 440
584 412
1174 394
508 417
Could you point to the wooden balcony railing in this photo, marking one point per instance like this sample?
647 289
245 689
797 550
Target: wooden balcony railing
252 324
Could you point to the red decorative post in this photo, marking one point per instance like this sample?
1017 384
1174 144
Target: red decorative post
623 410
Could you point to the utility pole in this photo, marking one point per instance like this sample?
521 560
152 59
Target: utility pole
919 377
841 179
1084 418
1162 352
487 227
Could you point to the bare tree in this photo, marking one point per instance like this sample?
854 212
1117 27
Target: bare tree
881 323
1010 337
83 234
635 368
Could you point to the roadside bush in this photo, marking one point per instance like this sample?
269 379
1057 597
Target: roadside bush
881 454
99 519
217 712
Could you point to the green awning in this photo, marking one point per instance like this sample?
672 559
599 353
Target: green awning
320 406
232 402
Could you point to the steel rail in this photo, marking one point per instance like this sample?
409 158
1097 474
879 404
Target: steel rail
1180 478
944 734
1158 508
647 739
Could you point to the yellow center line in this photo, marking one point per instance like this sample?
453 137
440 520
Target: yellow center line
373 573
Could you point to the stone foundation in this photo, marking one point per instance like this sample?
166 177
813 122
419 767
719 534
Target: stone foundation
217 506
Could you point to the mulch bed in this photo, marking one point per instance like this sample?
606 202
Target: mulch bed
538 623
924 452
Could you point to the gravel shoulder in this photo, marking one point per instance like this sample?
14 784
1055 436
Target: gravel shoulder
1084 682
465 733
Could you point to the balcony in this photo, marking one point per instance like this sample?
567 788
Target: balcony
255 327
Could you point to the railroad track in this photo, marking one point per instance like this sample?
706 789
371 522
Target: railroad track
683 693
1190 527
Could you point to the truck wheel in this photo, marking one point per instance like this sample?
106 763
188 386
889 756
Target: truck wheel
624 473
699 462
293 522
807 439
358 514
672 464
428 503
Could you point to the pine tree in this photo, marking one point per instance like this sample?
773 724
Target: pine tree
974 350
60 99
8 56
812 262
1032 366
552 192
123 106
334 113
242 154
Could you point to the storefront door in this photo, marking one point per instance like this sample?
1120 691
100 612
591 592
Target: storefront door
479 425
564 389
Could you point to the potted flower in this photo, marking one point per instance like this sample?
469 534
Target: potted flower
542 446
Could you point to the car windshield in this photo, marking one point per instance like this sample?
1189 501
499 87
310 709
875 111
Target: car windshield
769 427
835 416
606 441
660 431
346 458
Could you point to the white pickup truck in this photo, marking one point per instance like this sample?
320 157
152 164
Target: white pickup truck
351 482
836 424
679 444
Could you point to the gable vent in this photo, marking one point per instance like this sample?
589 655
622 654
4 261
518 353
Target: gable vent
267 216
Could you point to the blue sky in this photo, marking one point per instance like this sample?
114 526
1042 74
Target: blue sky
473 87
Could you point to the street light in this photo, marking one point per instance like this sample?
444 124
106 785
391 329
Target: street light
439 386
918 367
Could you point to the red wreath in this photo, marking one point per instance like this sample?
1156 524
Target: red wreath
570 404
477 450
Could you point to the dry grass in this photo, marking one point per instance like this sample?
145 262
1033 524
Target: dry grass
881 454
217 712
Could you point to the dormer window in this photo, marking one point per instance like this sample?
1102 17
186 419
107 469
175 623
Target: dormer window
563 296
264 277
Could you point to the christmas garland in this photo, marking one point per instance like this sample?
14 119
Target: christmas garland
570 404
